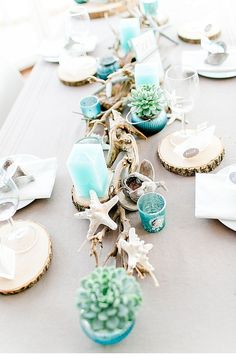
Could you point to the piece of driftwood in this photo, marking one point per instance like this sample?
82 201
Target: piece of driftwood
122 140
31 265
204 162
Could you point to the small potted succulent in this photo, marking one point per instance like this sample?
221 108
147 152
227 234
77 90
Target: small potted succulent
108 300
148 105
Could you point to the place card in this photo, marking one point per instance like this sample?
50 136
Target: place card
146 51
196 142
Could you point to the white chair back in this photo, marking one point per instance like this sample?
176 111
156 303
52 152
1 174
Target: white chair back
11 82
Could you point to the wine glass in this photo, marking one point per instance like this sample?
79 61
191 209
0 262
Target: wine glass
77 29
181 85
17 235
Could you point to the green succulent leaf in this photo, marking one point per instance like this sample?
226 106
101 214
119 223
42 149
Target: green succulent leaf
147 101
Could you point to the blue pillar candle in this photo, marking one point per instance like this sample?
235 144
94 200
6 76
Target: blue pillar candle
87 167
152 211
149 7
129 28
90 106
146 74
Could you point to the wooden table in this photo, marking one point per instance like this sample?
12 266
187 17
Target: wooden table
194 309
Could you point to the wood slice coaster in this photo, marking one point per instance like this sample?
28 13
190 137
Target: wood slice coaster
204 162
191 32
101 10
31 265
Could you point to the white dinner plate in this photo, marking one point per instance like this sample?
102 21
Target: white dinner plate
231 224
50 50
217 75
20 158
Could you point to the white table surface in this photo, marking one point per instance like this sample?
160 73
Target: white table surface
194 309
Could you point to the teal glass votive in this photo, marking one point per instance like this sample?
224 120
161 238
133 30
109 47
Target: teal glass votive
149 7
90 106
152 211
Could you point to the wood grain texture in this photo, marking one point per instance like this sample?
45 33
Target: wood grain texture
31 265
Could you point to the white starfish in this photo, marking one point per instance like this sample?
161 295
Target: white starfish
137 252
98 214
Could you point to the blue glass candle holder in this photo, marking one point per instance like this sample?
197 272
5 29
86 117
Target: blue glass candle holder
106 66
149 7
152 211
90 106
146 74
87 167
128 29
106 338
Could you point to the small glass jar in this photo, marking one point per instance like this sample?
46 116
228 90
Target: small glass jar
106 66
152 211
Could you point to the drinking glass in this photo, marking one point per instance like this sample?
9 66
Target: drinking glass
181 85
152 211
149 7
77 29
17 235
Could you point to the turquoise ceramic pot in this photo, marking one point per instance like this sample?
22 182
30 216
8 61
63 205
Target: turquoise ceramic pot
150 127
106 338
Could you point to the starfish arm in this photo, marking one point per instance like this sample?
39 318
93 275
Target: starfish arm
82 215
148 247
107 221
109 204
94 201
93 226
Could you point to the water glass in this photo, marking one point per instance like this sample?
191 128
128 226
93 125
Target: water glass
152 211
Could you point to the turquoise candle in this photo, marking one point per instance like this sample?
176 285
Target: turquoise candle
152 211
149 7
129 28
87 167
146 74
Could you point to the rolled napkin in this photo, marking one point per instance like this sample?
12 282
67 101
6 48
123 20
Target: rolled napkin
7 263
197 59
215 196
44 173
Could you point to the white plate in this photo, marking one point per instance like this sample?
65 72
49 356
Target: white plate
21 158
231 224
218 75
50 50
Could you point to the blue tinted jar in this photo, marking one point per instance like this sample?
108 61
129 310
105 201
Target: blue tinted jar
106 66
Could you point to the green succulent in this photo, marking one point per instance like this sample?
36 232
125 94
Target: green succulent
147 101
108 299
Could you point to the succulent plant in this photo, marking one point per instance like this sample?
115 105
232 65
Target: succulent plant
147 101
108 299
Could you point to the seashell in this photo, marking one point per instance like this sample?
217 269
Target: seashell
146 168
136 184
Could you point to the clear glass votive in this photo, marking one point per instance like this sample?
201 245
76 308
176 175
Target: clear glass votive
152 211
90 106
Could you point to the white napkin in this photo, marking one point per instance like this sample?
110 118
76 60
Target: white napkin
7 262
215 196
196 59
44 172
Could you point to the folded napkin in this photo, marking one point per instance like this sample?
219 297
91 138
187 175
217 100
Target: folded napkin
215 196
44 172
196 59
7 262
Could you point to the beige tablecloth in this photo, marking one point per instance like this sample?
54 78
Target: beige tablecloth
194 309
